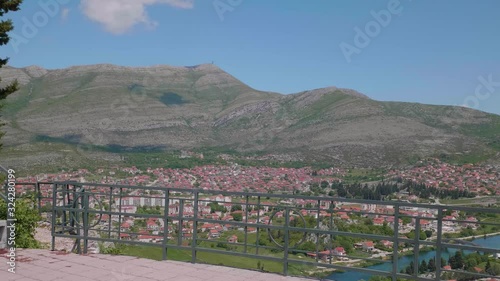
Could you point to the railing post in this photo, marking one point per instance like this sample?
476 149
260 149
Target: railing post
317 228
54 206
195 227
285 246
39 198
439 241
165 223
258 228
85 219
331 228
120 215
5 192
65 194
395 244
180 224
416 247
110 203
75 216
246 225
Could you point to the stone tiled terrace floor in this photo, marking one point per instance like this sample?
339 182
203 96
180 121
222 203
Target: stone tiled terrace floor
45 265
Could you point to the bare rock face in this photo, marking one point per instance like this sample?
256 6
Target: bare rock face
9 74
309 97
35 71
203 106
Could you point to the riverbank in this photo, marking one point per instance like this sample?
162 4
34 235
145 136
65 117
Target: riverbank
478 236
492 241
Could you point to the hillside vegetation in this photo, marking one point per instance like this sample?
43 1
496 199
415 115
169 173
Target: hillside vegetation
97 112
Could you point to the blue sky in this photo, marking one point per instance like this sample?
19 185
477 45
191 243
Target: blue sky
427 51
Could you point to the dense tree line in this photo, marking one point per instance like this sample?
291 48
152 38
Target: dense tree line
365 191
458 261
383 189
424 191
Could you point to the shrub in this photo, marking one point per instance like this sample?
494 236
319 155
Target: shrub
117 249
27 218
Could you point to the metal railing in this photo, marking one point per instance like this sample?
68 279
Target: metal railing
41 191
3 192
298 232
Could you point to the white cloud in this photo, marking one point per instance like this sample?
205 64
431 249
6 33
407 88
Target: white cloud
118 16
65 13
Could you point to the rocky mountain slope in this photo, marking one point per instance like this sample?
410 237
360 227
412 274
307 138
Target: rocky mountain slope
168 107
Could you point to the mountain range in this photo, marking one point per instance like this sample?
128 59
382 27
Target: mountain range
162 107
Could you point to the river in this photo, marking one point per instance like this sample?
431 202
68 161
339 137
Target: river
490 242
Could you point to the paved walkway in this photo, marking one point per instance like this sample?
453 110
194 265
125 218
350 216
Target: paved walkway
45 265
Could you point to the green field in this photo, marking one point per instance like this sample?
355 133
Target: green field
155 253
458 201
467 201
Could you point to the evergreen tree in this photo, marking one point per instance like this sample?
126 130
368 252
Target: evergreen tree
431 266
488 266
236 207
410 269
324 184
5 27
452 261
423 267
459 260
